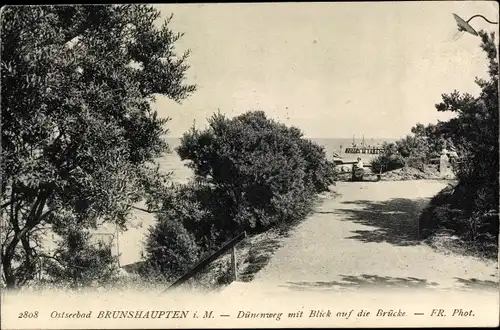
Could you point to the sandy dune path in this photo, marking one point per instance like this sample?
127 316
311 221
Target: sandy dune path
367 237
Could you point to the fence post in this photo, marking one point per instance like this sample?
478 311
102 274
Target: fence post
234 266
117 245
41 268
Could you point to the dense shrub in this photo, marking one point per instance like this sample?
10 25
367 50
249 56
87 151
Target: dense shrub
262 172
319 171
388 160
170 249
450 209
80 262
429 219
417 162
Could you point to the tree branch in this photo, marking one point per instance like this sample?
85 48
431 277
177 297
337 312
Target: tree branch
13 219
144 210
9 202
63 264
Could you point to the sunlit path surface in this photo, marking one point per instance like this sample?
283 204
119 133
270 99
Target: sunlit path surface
367 238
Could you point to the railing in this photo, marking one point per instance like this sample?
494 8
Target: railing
193 271
351 163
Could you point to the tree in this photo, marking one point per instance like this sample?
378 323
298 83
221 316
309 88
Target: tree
433 137
78 130
471 208
475 131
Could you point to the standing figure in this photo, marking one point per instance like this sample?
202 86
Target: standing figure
358 171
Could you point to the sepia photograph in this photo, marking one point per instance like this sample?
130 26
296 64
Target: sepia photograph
235 165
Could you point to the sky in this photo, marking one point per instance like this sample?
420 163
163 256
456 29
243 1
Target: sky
331 69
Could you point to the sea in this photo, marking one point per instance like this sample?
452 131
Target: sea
172 163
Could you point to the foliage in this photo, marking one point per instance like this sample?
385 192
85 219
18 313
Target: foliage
260 172
414 150
170 249
475 128
172 246
194 205
388 159
77 125
319 170
79 262
446 210
475 131
429 221
432 137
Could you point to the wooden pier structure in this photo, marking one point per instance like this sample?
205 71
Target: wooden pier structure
363 150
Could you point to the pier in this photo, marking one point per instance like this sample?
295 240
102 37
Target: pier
355 150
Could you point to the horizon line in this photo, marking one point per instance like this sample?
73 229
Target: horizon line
332 137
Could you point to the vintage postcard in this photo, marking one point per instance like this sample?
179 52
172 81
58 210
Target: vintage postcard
249 165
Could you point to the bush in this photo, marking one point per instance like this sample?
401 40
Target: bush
451 209
260 172
170 249
416 162
319 171
432 216
388 160
78 262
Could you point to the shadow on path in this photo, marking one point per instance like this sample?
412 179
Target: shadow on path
475 284
258 258
362 281
261 251
394 221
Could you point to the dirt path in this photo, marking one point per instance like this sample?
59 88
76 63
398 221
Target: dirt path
367 237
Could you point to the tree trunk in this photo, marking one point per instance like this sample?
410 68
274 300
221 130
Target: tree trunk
10 279
34 217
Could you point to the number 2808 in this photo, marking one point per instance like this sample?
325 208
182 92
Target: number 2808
28 315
